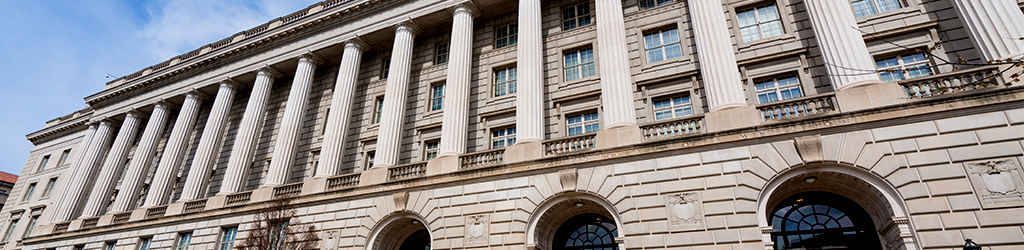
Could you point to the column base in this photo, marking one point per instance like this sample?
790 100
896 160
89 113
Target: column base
175 208
730 118
372 176
870 95
619 136
316 185
138 214
524 151
443 164
105 219
262 194
75 225
44 229
215 202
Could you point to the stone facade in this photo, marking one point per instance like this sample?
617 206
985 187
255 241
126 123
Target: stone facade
931 160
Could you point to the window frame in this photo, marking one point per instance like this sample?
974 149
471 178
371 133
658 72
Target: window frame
507 139
31 188
511 35
223 232
435 101
32 221
42 163
662 46
64 157
657 3
50 184
11 226
672 106
385 69
509 81
368 157
902 66
777 89
583 122
378 109
438 54
758 22
589 16
144 243
429 151
875 7
185 238
578 66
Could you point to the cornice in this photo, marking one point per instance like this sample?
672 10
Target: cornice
69 122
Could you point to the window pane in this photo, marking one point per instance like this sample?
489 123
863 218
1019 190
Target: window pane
746 18
654 55
750 33
673 51
571 59
773 28
670 36
863 8
652 40
888 5
587 70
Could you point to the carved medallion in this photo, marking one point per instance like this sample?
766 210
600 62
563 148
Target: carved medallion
476 230
684 211
329 240
998 183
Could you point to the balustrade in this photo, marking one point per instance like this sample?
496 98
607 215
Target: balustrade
797 107
407 171
156 212
121 218
484 158
238 198
570 144
671 128
290 190
194 206
952 82
344 181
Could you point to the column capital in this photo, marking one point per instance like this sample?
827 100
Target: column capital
356 42
466 7
136 113
230 83
269 71
408 25
99 121
313 58
165 104
196 94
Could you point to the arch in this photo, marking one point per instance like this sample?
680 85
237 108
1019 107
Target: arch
544 223
392 231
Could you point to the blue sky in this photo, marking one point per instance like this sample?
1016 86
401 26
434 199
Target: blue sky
54 53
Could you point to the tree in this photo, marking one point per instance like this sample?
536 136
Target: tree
276 228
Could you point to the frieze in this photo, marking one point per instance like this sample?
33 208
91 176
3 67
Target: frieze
802 127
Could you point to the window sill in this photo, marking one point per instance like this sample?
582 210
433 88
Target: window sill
432 113
495 99
775 39
590 79
652 66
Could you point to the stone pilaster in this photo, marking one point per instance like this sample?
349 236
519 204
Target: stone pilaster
389 135
248 132
85 173
174 151
530 84
995 26
113 165
333 148
455 121
210 143
618 120
143 157
291 122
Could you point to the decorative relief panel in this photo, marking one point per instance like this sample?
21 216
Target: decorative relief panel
477 227
329 239
685 211
998 183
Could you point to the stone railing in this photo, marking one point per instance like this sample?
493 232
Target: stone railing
952 82
238 198
156 212
483 158
674 127
290 190
61 227
90 222
570 144
797 107
194 206
407 171
121 218
344 181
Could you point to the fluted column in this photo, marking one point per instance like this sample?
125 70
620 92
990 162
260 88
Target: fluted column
113 165
63 183
248 132
174 151
841 44
616 81
291 122
210 143
85 173
996 27
455 121
530 81
390 134
143 157
717 59
333 147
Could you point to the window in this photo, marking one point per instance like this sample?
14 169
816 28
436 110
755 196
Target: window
31 225
662 45
109 245
379 103
64 157
184 239
505 82
579 64
42 163
776 89
576 16
865 8
505 36
144 243
227 238
327 115
370 157
504 137
386 67
80 247
430 149
647 4
759 22
10 228
436 97
49 187
28 192
314 162
441 55
582 124
903 67
672 107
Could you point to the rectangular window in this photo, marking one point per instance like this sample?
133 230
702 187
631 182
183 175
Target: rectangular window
31 226
10 229
662 45
314 162
579 64
576 16
109 245
430 149
227 238
582 124
327 115
144 243
42 163
759 22
386 67
505 81
64 157
80 247
672 107
28 192
379 109
504 137
865 8
436 97
647 4
505 36
370 157
49 187
441 55
184 239
903 67
776 89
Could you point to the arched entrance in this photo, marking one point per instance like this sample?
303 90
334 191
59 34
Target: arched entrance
586 232
822 220
400 231
561 220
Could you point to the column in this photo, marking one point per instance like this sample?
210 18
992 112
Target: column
333 148
455 121
62 183
174 151
291 122
530 81
143 157
210 143
248 132
995 26
112 166
616 81
389 135
715 53
841 44
85 172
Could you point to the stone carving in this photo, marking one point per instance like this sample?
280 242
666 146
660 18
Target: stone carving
809 148
329 240
685 211
476 230
568 179
997 182
401 199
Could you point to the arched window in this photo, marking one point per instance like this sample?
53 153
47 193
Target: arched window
419 240
821 220
586 231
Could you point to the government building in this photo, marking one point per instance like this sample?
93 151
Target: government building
565 124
